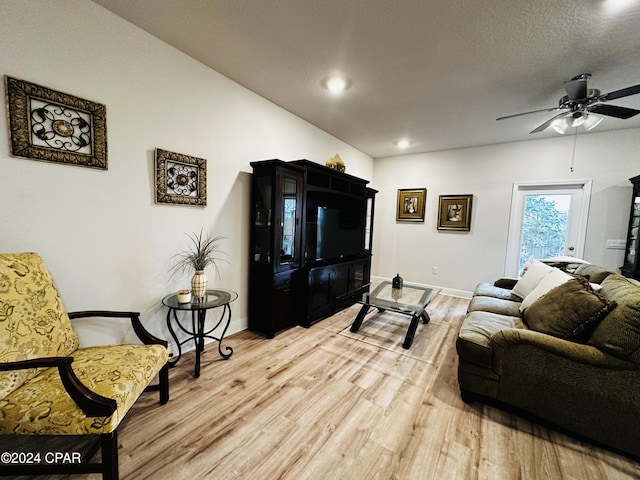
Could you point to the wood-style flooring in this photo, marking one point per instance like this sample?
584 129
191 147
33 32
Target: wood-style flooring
324 403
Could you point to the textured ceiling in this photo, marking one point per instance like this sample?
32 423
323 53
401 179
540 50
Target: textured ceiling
437 72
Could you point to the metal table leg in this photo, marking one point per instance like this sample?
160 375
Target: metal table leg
358 321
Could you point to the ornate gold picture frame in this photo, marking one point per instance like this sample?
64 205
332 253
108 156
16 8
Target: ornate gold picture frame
454 212
55 127
180 179
411 203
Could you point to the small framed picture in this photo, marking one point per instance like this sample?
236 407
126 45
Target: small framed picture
52 126
411 204
454 212
180 179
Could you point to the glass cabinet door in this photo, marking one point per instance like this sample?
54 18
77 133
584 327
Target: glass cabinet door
631 254
262 219
289 221
277 196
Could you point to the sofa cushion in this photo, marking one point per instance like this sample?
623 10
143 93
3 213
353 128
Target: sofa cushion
594 273
550 281
485 289
570 311
619 331
474 338
33 322
43 406
494 305
534 273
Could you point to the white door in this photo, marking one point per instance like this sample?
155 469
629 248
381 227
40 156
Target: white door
547 220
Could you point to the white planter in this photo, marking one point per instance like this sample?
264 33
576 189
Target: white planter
199 284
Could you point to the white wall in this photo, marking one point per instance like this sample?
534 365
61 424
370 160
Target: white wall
464 259
106 242
109 246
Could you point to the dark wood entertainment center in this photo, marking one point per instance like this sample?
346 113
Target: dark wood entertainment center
310 246
631 266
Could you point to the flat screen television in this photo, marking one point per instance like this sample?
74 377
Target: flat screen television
340 232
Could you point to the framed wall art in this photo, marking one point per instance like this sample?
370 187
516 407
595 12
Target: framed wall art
55 127
180 179
454 212
411 204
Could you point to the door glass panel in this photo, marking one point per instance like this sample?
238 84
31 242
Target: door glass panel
547 219
544 227
288 223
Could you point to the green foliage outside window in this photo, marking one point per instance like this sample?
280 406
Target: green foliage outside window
544 230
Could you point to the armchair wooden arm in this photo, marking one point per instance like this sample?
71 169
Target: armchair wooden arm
91 403
142 333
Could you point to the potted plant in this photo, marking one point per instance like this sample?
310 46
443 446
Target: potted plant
203 250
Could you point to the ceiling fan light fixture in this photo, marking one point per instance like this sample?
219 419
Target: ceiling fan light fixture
592 121
560 125
576 119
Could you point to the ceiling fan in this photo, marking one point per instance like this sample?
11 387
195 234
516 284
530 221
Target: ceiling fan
580 106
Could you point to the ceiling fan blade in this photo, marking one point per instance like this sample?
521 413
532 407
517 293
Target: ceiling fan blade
548 123
614 111
576 88
624 92
533 111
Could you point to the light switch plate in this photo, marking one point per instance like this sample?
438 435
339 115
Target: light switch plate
616 244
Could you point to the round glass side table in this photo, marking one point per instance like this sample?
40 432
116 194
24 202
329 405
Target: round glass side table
196 330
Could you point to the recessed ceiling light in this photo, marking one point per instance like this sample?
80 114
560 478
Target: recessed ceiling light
616 5
403 143
335 84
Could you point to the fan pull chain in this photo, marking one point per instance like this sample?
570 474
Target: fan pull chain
573 154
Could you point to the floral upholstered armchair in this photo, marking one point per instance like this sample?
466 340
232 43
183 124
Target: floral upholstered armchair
50 386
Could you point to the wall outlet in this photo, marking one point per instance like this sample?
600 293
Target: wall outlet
434 270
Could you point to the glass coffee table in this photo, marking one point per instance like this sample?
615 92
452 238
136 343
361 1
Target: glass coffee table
411 300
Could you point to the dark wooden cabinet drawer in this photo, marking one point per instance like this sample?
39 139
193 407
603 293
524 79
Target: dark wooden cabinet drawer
282 280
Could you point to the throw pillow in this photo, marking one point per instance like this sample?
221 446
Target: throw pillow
619 332
570 311
535 272
550 281
594 273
